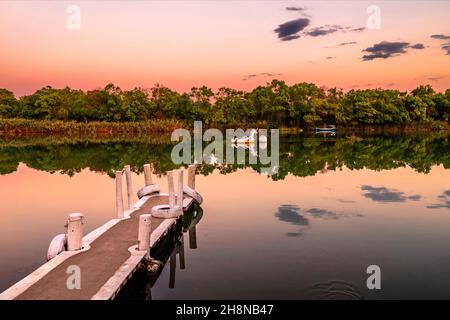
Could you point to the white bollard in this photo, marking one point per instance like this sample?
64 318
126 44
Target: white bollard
148 174
171 189
75 231
129 186
145 228
180 189
191 176
119 196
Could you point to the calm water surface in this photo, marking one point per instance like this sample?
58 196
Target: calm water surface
335 207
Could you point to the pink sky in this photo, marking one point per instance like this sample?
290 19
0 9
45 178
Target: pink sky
217 43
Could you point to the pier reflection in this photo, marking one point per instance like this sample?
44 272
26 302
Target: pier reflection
139 287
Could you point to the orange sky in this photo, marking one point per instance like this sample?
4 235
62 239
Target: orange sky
217 43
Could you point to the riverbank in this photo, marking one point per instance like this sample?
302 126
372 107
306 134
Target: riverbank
25 127
159 127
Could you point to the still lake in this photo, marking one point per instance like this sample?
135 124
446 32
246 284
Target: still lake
335 207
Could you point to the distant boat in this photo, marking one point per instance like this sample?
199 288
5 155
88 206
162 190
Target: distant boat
326 129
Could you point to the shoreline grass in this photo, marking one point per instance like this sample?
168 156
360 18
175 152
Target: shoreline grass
25 127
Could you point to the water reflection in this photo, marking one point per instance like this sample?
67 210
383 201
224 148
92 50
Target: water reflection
383 194
289 213
444 199
139 287
298 156
335 290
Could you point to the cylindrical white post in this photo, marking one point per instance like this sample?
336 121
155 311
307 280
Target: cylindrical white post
191 176
171 189
148 174
145 228
180 189
75 231
119 196
129 186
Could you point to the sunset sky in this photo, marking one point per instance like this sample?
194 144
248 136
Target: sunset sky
240 44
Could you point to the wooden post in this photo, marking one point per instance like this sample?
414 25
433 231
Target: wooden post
180 189
193 238
75 231
119 196
191 176
129 186
181 252
145 228
148 174
173 267
171 189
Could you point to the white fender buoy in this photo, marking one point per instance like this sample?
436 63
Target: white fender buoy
193 194
57 245
164 211
148 190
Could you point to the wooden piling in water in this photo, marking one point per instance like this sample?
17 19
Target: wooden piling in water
145 228
191 176
148 174
129 186
119 196
75 231
193 238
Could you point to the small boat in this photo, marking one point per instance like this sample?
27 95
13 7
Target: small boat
245 140
326 129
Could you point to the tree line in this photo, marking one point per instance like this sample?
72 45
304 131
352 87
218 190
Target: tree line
276 103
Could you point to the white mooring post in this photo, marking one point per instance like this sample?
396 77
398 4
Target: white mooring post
180 189
145 228
129 186
119 196
148 174
75 231
171 189
191 176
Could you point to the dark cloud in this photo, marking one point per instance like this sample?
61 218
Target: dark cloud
385 49
346 201
262 74
322 213
295 8
249 76
358 29
289 38
418 46
445 46
268 74
440 37
329 29
383 194
329 58
435 79
290 214
445 201
347 43
322 31
289 30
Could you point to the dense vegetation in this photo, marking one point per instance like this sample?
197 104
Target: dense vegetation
299 157
277 104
